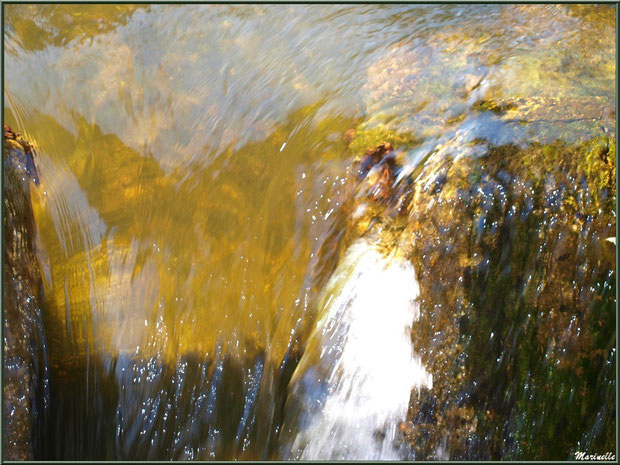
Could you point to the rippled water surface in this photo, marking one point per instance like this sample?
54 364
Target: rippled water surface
195 167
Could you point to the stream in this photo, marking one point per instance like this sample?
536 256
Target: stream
220 280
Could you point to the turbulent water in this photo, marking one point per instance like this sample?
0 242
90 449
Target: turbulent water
213 287
352 386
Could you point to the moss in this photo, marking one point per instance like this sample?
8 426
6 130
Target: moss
517 303
493 106
368 136
598 164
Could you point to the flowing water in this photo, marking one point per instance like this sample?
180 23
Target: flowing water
362 356
207 292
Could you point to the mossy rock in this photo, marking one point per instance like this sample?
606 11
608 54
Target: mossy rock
517 285
369 135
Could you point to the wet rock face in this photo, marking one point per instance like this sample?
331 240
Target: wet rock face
19 154
25 365
378 201
517 286
375 178
517 283
374 204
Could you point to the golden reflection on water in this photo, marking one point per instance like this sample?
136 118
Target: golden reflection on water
192 157
39 26
217 252
147 231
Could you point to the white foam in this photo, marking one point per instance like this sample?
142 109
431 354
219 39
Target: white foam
360 366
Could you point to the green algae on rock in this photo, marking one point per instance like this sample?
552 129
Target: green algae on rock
517 294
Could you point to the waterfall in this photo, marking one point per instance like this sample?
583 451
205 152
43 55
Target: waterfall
353 384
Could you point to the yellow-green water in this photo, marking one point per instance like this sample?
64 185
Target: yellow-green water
193 158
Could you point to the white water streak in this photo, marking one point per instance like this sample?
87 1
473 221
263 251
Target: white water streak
359 368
